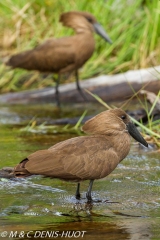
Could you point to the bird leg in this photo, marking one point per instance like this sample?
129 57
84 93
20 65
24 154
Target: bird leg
78 86
88 194
56 90
78 195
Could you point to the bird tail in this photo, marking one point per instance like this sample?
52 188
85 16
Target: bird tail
20 60
14 61
20 171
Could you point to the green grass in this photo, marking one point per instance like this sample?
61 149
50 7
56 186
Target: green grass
32 127
132 25
151 131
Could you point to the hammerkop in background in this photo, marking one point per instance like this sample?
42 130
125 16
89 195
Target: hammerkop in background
66 54
86 157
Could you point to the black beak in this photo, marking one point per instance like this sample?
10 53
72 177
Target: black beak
136 134
100 31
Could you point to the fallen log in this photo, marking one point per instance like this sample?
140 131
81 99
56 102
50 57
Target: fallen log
109 88
151 98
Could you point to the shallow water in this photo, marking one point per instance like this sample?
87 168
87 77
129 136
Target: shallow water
46 208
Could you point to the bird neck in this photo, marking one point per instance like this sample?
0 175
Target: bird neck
121 142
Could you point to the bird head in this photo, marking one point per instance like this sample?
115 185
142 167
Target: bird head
81 21
112 122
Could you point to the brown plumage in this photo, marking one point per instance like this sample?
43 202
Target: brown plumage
66 54
86 157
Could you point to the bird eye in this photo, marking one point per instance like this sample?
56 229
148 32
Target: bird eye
123 117
89 19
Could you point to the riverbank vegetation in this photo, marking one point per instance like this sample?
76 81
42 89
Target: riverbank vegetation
132 26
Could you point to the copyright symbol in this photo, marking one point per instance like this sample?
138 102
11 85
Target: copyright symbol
4 234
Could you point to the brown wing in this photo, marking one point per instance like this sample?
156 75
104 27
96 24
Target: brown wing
52 56
78 158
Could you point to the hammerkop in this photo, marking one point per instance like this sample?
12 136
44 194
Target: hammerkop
86 157
66 54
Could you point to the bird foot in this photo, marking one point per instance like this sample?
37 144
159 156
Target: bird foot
78 196
89 198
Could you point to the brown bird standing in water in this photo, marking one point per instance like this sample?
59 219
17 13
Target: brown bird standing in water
66 54
86 157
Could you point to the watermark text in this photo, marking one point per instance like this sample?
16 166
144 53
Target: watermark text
43 234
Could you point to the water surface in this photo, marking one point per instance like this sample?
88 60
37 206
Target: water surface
130 196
